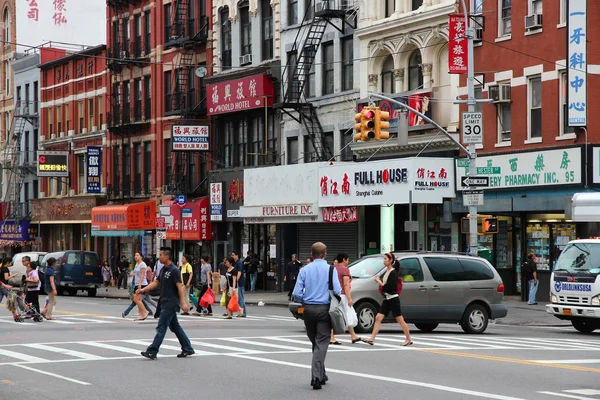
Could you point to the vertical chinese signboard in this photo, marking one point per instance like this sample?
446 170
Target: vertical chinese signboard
457 45
216 201
195 227
94 169
577 60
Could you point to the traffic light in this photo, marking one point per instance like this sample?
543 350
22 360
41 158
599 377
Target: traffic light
490 225
381 124
365 124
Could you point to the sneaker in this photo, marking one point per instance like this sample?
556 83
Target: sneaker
229 317
184 354
123 315
147 354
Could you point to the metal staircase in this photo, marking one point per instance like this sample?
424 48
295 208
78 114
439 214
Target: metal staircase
297 69
180 17
14 162
181 82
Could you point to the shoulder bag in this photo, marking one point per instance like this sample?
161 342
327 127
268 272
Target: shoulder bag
336 312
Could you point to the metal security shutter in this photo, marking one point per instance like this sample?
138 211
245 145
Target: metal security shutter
339 238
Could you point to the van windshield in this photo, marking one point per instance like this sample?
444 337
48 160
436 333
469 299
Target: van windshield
580 257
366 267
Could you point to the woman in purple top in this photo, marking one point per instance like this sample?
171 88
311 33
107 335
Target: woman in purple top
33 284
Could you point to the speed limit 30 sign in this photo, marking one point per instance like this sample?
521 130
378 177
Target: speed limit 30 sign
472 127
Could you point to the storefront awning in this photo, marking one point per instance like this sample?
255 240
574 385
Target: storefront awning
123 218
585 207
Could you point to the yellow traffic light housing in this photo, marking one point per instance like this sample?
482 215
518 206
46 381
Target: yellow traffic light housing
382 124
365 124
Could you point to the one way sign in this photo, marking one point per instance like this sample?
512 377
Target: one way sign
479 181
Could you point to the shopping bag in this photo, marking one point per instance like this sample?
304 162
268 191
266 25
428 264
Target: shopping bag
233 305
208 298
194 300
351 317
223 302
336 312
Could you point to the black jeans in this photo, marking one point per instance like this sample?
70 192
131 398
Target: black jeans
123 279
33 297
205 288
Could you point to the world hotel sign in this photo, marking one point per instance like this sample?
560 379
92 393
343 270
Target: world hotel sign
242 94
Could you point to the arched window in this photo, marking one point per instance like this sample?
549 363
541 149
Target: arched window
6 20
387 75
415 73
225 39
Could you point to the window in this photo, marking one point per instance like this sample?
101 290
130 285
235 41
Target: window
116 168
416 4
535 7
126 101
505 25
267 29
390 7
137 106
415 73
292 12
309 150
246 29
309 84
242 145
148 31
255 136
126 35
19 96
387 76
26 198
328 143
7 81
535 107
26 153
27 104
90 113
148 166
504 122
346 151
476 270
229 146
477 6
137 38
50 125
117 103
100 103
445 269
137 169
126 168
347 64
271 138
292 61
35 186
148 97
81 184
564 108
478 96
168 23
292 150
563 12
328 73
58 119
35 96
225 40
168 161
168 91
411 268
310 10
7 28
36 139
116 38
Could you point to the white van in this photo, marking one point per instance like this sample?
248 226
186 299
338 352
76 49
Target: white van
19 269
575 287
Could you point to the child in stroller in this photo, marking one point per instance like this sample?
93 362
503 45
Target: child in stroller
22 310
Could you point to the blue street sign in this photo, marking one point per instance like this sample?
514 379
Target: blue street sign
181 199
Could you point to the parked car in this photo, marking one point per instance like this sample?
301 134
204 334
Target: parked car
19 269
437 288
75 270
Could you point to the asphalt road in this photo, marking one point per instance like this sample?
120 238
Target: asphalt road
90 352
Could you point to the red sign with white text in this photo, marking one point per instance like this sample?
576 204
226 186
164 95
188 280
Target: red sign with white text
457 45
240 94
196 227
340 215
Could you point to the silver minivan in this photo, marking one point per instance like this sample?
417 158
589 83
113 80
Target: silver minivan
437 288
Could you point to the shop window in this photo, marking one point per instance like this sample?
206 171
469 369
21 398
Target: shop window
387 76
476 270
410 270
445 269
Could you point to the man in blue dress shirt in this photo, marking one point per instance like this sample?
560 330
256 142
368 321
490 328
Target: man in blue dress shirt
312 290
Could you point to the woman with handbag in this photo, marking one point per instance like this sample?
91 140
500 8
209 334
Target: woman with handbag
231 276
33 285
187 274
388 286
206 284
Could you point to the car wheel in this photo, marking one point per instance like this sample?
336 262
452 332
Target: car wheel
426 327
366 313
475 319
92 292
584 325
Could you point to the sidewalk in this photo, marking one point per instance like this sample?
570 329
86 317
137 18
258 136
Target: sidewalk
519 312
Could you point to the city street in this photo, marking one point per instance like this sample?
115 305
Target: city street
90 352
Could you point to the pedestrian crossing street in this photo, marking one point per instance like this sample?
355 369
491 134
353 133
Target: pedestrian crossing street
97 350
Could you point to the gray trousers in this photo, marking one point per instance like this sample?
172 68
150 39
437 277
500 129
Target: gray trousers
318 330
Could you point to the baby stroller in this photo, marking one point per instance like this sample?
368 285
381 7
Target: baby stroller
21 310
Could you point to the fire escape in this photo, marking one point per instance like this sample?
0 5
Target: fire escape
297 69
129 112
189 29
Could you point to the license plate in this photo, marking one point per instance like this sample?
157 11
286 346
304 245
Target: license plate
300 310
567 311
89 273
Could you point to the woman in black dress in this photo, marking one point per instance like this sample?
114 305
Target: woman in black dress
388 281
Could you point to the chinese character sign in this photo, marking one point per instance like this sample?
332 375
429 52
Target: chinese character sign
457 45
216 201
195 227
577 63
53 163
190 137
242 94
94 169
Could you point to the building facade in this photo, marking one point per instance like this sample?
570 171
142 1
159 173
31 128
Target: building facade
157 91
241 94
72 144
535 158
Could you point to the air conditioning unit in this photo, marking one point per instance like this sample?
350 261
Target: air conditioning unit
478 35
478 21
71 132
84 130
94 128
61 134
499 93
533 21
246 59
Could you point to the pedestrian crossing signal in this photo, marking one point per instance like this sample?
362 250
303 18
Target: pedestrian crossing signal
490 225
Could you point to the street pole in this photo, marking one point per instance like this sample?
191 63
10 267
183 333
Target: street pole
181 232
411 237
473 241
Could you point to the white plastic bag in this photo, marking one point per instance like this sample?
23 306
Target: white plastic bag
351 317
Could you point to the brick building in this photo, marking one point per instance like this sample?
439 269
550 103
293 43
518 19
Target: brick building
534 159
157 54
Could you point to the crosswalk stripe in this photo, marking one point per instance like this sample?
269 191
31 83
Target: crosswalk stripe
222 347
271 345
579 361
568 396
167 347
95 321
282 317
253 317
112 347
21 356
484 343
71 353
420 341
60 321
